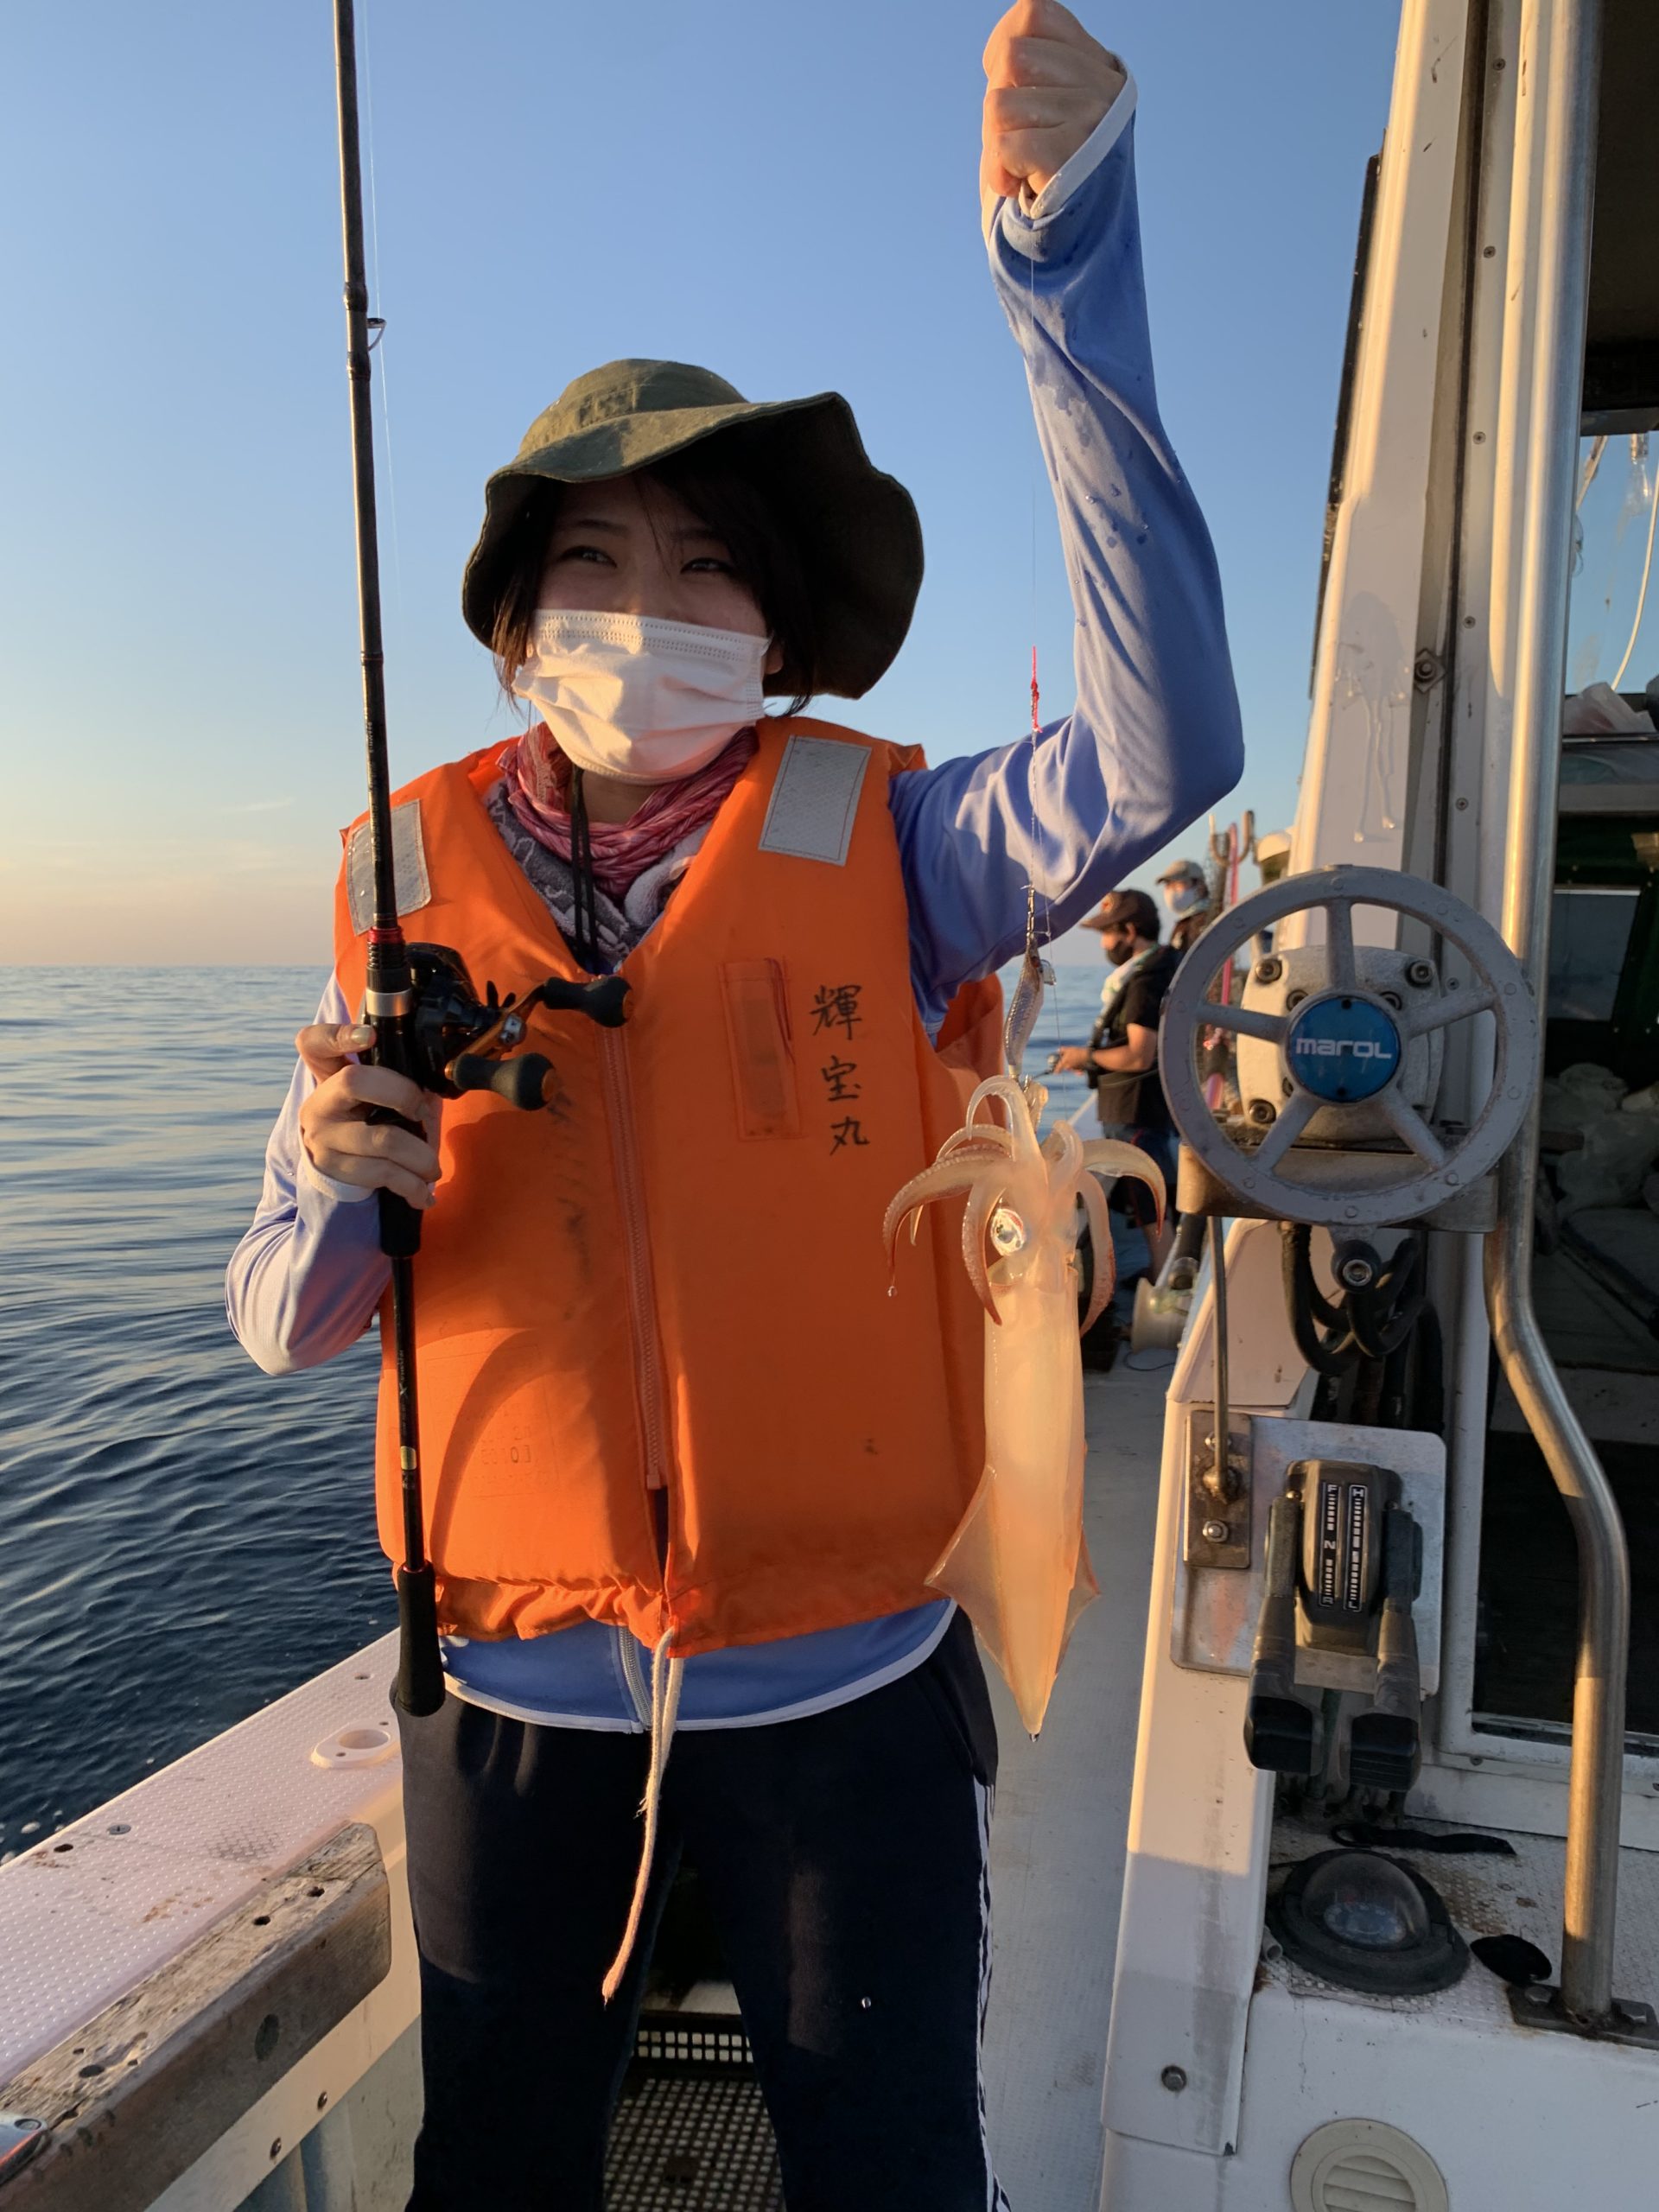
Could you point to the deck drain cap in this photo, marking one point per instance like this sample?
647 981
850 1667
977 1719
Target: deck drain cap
1365 2165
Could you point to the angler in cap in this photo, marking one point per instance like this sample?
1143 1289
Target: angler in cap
1120 1063
686 1466
1186 895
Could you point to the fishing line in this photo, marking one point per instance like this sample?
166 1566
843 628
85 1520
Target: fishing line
1036 696
379 342
1032 940
1642 596
1592 468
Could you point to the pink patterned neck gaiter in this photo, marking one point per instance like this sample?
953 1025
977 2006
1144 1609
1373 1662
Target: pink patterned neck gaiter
538 791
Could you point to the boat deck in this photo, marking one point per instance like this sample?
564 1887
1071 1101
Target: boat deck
105 1910
1062 1820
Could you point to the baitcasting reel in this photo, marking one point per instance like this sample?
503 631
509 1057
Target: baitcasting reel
461 1042
1340 1054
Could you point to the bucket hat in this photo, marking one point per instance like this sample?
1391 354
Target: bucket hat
858 539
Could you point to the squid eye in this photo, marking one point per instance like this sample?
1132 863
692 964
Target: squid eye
1007 1231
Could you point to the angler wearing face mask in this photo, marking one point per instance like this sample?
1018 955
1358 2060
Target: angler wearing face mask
1186 895
1121 1064
688 1465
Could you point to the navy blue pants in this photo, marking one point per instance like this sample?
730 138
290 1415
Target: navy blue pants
845 1859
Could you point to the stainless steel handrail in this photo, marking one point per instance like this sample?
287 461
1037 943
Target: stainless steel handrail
1565 91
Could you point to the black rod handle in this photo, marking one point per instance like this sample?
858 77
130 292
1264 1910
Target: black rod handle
400 1226
400 1222
420 1666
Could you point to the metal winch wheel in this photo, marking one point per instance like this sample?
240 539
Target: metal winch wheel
1357 1059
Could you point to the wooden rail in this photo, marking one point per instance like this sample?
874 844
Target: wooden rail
132 2100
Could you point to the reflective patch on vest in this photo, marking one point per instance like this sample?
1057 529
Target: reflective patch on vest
408 865
815 799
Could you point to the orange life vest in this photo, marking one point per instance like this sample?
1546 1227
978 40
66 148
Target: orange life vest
674 1278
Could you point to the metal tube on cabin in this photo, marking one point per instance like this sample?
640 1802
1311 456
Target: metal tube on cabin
1221 1461
1564 91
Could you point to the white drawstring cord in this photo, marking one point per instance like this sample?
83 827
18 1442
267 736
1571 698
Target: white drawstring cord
666 1673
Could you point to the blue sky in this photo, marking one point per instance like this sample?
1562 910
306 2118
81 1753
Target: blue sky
785 192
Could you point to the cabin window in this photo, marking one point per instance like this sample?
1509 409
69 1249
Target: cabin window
1589 935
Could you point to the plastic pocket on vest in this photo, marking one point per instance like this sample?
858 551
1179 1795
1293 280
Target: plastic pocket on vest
756 1033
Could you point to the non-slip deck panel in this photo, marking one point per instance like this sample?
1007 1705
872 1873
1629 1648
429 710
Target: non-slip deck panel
692 2133
127 2102
90 1913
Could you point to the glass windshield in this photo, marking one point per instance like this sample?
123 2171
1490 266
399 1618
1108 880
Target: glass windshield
1613 633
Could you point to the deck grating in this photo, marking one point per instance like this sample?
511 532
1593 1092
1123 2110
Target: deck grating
689 2141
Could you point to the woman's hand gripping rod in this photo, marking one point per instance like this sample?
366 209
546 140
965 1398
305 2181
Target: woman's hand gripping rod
429 1023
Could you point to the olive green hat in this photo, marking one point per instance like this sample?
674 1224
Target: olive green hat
858 536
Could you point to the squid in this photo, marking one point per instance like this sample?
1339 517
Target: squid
1018 1564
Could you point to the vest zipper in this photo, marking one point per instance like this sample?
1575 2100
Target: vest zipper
642 1302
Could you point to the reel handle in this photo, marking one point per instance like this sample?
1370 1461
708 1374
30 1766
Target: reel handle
604 1001
522 1080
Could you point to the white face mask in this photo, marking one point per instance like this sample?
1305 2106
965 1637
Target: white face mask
1182 898
644 701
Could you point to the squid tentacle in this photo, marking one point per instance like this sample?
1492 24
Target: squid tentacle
1106 1156
986 1140
943 1180
1100 1237
1005 1089
981 1205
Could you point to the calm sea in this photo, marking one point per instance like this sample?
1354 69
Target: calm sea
181 1538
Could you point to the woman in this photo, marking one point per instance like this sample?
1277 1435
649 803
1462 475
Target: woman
689 1464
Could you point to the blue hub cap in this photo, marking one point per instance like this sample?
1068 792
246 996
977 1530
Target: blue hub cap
1343 1049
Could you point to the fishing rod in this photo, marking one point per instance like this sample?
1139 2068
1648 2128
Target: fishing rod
429 1024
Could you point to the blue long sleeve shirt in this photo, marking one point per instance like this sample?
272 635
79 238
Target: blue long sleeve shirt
1153 741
